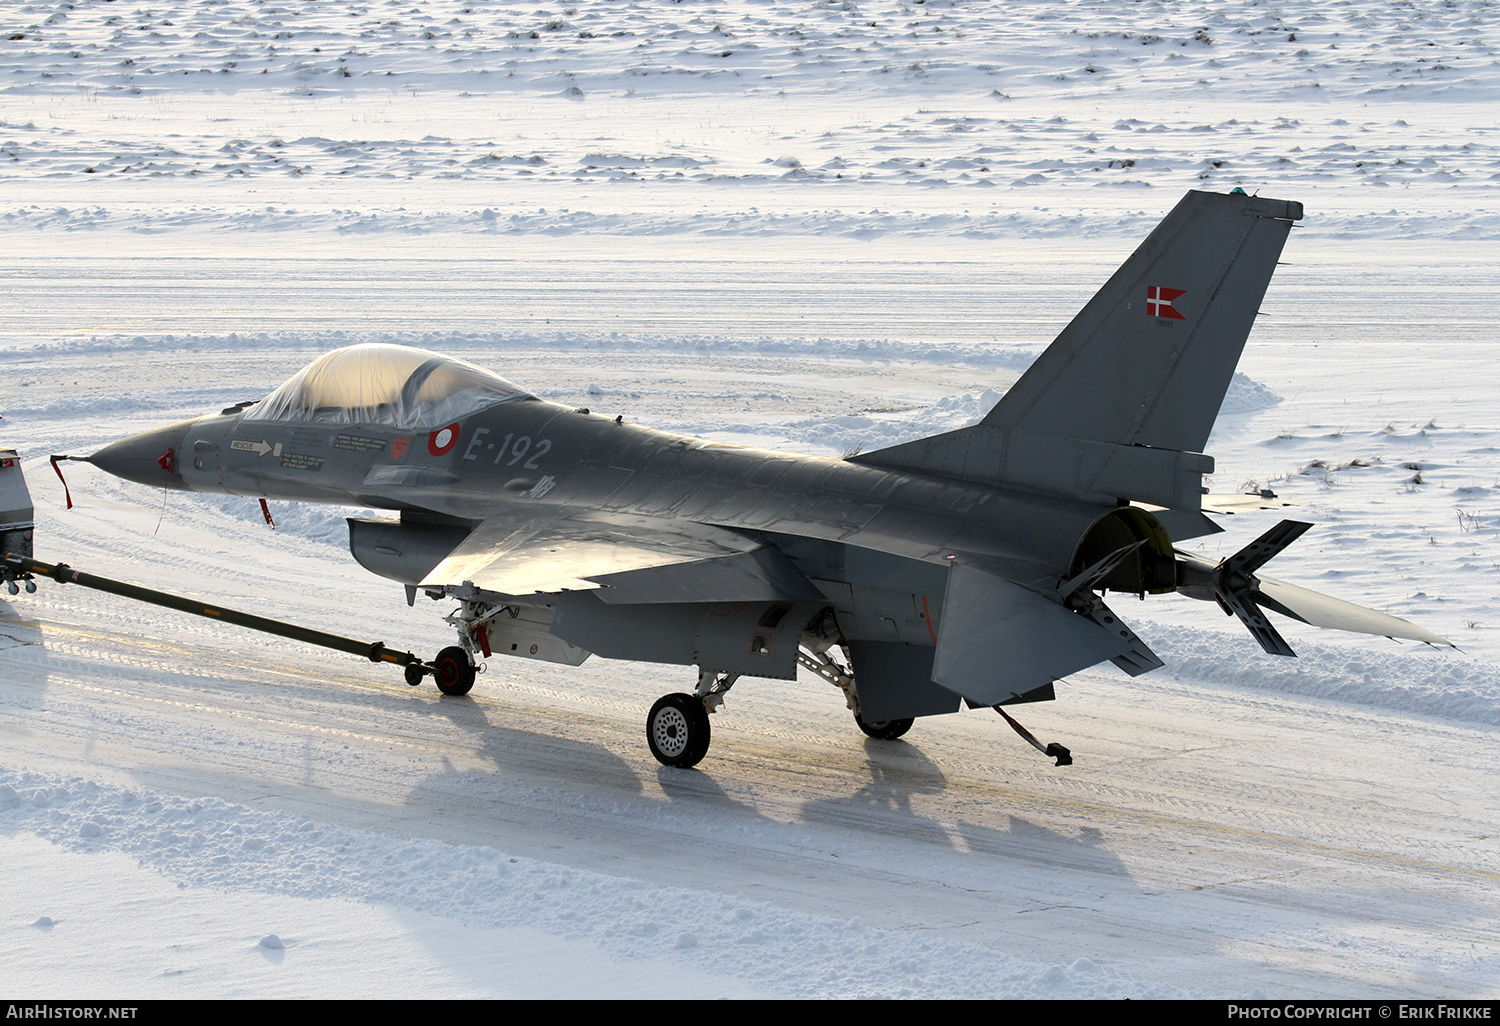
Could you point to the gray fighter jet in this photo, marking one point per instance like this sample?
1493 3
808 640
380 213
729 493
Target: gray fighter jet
964 568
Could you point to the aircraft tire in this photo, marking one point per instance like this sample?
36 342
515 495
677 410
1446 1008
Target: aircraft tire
454 672
884 730
677 730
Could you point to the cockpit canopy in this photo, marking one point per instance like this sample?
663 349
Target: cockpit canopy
389 386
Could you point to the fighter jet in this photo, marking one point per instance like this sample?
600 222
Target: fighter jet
964 569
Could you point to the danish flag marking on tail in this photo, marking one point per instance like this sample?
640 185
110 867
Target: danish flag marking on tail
1159 302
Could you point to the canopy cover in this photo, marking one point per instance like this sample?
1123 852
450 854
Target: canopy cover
390 386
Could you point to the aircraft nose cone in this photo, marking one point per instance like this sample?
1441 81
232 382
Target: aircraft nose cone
149 458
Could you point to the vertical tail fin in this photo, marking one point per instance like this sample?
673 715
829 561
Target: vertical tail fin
1148 360
1120 406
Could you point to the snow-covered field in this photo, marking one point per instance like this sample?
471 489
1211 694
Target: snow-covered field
813 226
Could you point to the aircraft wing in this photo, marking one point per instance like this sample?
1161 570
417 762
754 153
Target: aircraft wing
627 559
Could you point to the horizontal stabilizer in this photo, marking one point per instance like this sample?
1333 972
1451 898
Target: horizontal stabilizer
998 640
1326 611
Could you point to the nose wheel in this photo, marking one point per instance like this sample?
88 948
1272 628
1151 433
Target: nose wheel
453 671
677 730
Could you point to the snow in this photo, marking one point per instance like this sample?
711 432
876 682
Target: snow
481 924
817 227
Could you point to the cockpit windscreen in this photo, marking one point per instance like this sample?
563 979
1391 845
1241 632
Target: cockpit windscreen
386 385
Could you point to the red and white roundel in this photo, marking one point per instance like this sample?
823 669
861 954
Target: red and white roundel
442 441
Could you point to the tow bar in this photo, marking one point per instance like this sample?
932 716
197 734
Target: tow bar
22 568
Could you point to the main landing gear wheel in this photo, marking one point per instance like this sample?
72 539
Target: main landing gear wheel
885 730
454 673
677 730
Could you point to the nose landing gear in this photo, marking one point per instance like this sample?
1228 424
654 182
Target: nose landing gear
454 668
453 671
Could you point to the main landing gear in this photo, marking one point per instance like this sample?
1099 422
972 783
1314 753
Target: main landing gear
884 730
677 730
677 727
814 656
